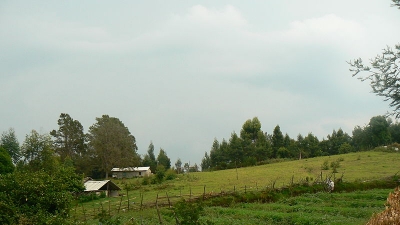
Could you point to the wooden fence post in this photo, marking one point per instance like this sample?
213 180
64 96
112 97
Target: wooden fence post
204 192
109 207
120 202
127 195
158 211
141 201
84 213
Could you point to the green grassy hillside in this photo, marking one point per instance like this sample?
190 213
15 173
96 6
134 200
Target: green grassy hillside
353 167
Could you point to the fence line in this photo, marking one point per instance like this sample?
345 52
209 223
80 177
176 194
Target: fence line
126 201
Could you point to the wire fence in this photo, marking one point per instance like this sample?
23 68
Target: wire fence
137 201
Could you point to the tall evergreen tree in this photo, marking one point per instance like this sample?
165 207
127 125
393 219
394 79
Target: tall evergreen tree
236 153
336 140
277 140
205 162
9 142
178 165
150 159
312 147
378 128
162 159
215 153
254 145
69 138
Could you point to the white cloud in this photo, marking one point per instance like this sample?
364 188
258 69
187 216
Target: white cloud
328 26
228 16
195 74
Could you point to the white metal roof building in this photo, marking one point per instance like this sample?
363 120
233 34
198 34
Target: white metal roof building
130 172
102 185
137 169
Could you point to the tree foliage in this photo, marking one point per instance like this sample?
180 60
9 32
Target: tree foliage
378 132
6 165
383 76
38 197
277 140
150 159
69 138
111 144
163 159
250 149
396 3
9 142
383 73
205 162
178 165
37 152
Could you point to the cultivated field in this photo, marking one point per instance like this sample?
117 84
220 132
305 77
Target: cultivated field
316 208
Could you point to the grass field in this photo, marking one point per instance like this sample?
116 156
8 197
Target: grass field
354 167
319 208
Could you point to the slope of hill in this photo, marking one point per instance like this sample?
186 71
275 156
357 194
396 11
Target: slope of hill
359 166
353 166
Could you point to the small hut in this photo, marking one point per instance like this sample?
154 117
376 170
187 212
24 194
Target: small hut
97 187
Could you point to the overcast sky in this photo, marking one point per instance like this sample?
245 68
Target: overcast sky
181 73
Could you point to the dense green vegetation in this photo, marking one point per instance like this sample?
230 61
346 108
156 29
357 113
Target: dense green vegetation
42 184
254 147
304 205
54 202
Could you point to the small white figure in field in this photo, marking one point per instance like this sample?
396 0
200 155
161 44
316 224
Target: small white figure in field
331 185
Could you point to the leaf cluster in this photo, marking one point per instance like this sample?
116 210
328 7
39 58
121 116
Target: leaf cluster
383 74
37 197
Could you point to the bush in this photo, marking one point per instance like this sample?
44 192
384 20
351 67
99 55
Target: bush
170 174
188 213
106 219
335 165
146 180
325 165
345 148
38 197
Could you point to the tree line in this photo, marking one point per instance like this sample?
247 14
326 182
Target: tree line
107 144
40 178
254 147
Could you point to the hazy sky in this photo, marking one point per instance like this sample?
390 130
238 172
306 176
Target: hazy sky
181 73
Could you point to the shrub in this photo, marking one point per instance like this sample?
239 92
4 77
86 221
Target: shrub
325 165
345 148
90 197
170 174
335 165
38 197
106 219
188 213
